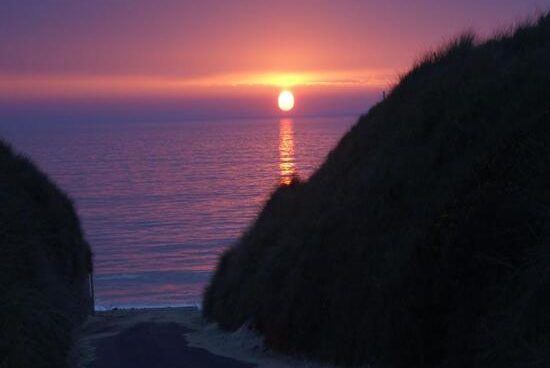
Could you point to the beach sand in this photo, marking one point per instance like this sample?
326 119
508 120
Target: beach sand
170 338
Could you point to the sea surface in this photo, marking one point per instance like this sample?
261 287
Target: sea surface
160 201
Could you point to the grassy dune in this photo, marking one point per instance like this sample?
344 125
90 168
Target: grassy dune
45 263
423 240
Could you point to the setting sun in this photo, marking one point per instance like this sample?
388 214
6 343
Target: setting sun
286 100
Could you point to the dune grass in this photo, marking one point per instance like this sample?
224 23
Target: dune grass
422 241
45 267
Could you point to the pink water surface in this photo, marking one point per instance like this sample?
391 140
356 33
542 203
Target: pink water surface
161 201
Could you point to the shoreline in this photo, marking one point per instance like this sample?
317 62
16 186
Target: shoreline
102 309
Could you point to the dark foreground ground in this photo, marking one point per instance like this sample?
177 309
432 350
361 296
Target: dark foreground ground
143 339
151 345
170 338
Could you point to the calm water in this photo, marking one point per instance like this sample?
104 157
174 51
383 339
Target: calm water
159 202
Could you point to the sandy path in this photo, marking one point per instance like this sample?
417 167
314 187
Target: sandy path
145 339
170 338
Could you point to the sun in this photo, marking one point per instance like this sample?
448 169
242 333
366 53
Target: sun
286 100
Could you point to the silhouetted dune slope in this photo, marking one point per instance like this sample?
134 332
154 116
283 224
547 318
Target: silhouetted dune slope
44 266
423 240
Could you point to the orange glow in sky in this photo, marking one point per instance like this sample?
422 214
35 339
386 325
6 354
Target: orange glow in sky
61 85
90 51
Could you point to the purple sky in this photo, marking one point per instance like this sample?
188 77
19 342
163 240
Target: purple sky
220 56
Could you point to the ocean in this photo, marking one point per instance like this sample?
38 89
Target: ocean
160 201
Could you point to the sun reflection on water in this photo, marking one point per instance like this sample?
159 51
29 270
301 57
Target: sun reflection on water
287 164
159 215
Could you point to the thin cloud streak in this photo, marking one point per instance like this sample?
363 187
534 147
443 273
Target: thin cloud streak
43 85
